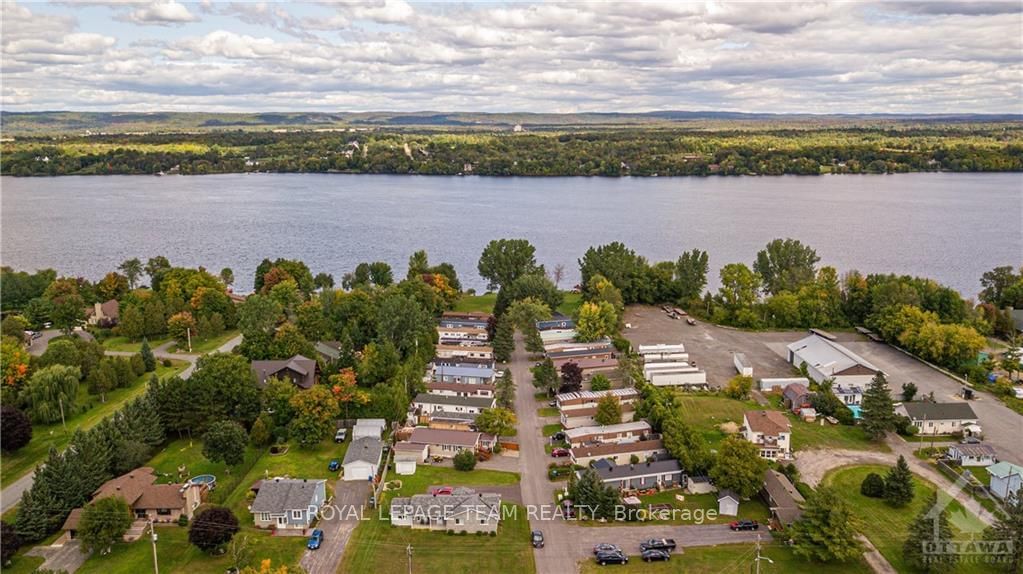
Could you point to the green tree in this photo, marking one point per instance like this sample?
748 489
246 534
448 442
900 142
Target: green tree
505 391
504 340
154 316
315 412
545 376
103 523
691 274
277 401
465 460
227 276
259 434
418 264
51 393
739 287
181 327
10 542
225 442
909 391
533 286
898 484
213 528
1008 529
786 265
67 306
609 410
132 270
872 486
596 321
15 429
930 527
600 382
622 267
132 324
505 260
14 326
591 496
148 358
739 387
497 421
877 412
739 467
825 532
685 443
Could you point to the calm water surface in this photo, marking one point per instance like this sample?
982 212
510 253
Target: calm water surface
951 227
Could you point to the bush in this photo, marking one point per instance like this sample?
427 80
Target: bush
872 486
465 460
166 362
183 520
15 429
634 459
213 528
904 426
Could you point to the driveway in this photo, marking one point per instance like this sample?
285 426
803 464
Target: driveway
338 523
67 558
39 345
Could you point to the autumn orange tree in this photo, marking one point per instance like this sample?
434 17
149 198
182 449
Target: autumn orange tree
344 387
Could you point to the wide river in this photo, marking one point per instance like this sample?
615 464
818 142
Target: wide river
951 227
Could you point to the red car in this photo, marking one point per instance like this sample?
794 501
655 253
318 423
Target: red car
442 490
559 452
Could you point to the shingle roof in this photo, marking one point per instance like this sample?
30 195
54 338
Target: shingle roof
726 493
305 367
284 494
781 489
939 411
447 506
974 450
477 402
422 435
643 469
771 423
161 496
365 449
128 486
611 448
635 427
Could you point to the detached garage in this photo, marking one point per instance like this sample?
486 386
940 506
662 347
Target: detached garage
407 455
363 458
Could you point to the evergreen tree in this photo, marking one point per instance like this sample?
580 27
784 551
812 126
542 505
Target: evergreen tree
534 342
504 340
825 532
877 412
931 528
1008 530
898 484
148 358
506 390
89 455
872 486
545 376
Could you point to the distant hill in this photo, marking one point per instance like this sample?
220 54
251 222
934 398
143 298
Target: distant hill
63 122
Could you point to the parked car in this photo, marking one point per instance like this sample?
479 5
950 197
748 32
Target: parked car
652 555
605 558
560 435
606 547
315 540
560 452
442 490
334 465
537 539
340 435
568 508
970 440
691 321
658 544
744 525
553 403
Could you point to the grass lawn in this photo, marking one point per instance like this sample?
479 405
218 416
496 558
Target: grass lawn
885 526
812 435
427 475
548 412
203 346
377 547
695 510
550 429
479 303
125 344
176 555
707 412
22 564
570 304
728 558
15 465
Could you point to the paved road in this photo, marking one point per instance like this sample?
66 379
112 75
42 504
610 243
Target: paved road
349 498
39 345
568 543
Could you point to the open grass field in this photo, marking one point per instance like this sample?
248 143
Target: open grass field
203 346
176 555
731 558
885 526
477 303
427 476
550 429
707 412
570 304
44 437
812 435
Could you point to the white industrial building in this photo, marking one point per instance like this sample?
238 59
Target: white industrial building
826 359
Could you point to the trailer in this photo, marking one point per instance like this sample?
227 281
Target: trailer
742 364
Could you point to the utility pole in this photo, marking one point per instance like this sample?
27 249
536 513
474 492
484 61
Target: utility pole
188 333
759 557
408 552
152 532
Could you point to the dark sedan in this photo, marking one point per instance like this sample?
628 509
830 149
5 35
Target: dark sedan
605 558
652 555
744 525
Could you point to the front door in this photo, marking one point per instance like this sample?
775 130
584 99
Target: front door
282 521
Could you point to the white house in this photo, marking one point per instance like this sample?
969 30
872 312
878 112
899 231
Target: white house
427 403
1006 479
461 350
826 359
462 334
407 455
941 418
972 454
373 428
618 453
771 431
363 458
848 394
625 432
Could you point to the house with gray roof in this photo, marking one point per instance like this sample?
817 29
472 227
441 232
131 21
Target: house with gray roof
288 503
665 473
362 459
931 418
301 371
429 403
464 510
826 359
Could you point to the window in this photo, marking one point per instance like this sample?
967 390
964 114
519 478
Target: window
163 511
458 522
264 516
296 514
483 521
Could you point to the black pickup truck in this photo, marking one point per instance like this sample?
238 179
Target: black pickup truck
658 544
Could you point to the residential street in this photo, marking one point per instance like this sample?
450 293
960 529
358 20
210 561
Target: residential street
567 543
338 528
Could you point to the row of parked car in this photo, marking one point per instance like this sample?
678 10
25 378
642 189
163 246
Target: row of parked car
655 549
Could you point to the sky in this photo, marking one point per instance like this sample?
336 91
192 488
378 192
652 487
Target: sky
802 57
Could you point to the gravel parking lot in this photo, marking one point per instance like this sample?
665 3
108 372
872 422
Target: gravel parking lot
711 346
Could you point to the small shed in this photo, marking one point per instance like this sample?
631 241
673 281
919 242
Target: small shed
699 485
368 428
728 503
742 364
407 456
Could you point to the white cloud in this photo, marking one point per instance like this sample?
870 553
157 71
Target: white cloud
603 56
